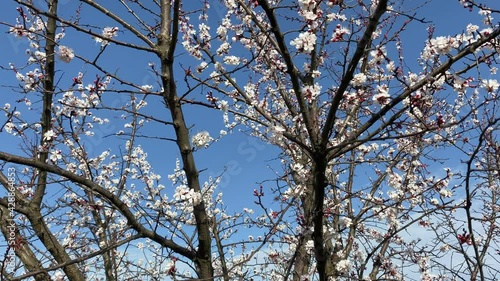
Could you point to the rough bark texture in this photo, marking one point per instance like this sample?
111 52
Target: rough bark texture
166 47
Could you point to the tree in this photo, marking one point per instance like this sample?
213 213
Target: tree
365 136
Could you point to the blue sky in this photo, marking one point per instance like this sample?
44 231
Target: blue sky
246 158
238 153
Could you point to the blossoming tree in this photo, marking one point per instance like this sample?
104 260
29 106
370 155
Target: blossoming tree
331 87
388 166
100 208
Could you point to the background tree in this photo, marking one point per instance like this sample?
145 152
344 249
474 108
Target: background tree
365 137
98 209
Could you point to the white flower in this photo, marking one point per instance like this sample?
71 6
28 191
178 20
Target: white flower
278 129
203 65
38 25
184 194
309 15
223 49
347 221
18 30
338 34
491 85
486 31
40 55
9 126
201 139
49 135
222 31
309 245
382 97
146 88
343 266
434 201
232 60
307 4
204 33
471 28
378 55
358 79
305 42
311 92
65 54
445 193
19 76
335 16
141 104
56 155
60 36
107 32
443 45
391 67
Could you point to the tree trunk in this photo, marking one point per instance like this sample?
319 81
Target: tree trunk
167 41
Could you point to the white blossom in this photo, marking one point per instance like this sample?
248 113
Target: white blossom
445 193
491 85
343 266
305 42
358 80
65 54
203 65
146 88
443 45
49 135
18 30
311 92
9 126
307 4
472 28
382 98
232 60
444 248
107 32
19 76
201 139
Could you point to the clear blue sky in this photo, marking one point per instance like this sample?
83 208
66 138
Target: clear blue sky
236 149
245 157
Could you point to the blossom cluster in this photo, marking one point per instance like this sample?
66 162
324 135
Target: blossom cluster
107 33
201 139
